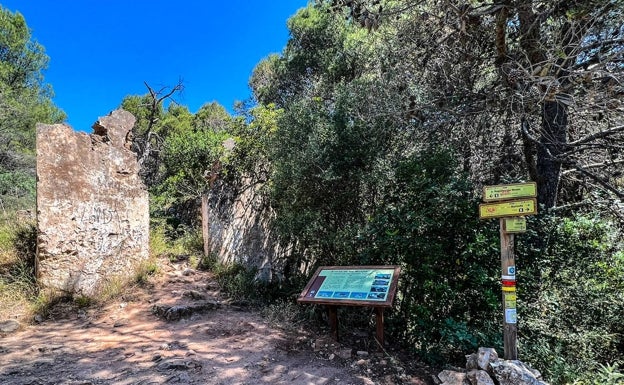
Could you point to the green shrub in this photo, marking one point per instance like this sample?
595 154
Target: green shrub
448 298
17 263
571 302
238 282
177 243
17 190
285 313
424 219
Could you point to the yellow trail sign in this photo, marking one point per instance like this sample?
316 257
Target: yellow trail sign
515 225
509 191
503 209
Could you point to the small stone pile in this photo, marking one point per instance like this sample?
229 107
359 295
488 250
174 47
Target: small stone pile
485 368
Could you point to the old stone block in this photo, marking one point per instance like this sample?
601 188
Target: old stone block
92 208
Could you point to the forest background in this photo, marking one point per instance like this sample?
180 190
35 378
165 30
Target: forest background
371 135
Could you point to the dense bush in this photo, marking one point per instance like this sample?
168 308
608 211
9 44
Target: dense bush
571 299
448 295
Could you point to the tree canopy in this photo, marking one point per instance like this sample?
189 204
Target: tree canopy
25 99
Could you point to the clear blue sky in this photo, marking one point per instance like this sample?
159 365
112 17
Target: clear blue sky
103 50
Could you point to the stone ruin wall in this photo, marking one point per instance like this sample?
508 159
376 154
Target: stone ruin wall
236 228
92 208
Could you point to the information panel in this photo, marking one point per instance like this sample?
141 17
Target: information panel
352 285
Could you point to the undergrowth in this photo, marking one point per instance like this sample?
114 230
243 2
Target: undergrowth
18 290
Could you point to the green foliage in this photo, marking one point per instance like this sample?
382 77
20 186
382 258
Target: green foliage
212 117
174 242
17 189
24 101
176 151
609 375
145 270
241 283
254 139
139 105
238 282
571 271
352 185
187 157
285 313
448 294
17 258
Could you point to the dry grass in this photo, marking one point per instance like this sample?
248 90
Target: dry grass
18 291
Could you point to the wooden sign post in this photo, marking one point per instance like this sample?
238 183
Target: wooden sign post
508 280
334 286
510 203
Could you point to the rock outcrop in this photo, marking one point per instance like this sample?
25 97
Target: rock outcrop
92 208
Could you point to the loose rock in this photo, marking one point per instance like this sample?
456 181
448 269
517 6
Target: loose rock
9 326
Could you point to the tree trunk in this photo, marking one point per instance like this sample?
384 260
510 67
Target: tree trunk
553 141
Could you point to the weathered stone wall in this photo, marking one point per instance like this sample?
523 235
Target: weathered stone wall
236 228
92 208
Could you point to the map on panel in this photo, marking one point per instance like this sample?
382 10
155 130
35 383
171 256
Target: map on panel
357 284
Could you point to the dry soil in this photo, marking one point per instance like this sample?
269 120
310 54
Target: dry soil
180 329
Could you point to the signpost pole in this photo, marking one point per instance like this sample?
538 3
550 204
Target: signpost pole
510 203
508 270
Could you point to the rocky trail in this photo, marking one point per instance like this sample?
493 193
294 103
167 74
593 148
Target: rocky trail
179 329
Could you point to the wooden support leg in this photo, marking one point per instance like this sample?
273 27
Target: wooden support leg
380 325
333 321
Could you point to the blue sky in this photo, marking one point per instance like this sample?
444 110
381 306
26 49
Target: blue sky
103 50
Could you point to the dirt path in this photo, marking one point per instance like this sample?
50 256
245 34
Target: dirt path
195 338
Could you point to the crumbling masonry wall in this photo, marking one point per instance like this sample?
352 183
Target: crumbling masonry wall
92 208
236 228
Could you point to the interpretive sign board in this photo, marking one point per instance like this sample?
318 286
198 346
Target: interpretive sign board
352 286
509 191
513 208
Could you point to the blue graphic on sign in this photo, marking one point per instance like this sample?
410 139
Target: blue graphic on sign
341 294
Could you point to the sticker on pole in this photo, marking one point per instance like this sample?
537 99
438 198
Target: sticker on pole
510 300
511 316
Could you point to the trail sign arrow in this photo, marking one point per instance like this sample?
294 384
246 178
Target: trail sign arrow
509 191
518 207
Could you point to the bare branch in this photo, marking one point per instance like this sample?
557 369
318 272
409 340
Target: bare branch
598 179
598 135
596 165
